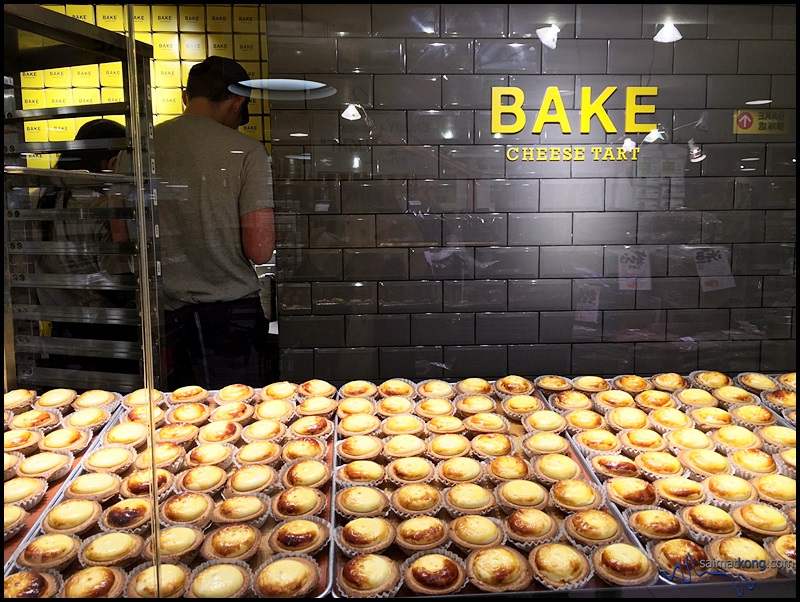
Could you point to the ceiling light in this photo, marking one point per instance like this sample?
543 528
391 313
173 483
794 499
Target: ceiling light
628 144
548 35
351 113
695 152
669 33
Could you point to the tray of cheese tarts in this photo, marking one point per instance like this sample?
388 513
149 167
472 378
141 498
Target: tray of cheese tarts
704 477
45 437
443 488
243 500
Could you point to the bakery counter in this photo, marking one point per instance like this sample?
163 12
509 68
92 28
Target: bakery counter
244 495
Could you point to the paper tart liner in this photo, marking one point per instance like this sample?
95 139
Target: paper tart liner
432 476
10 473
85 563
44 429
131 574
527 546
351 552
653 476
55 473
567 587
601 499
458 513
787 416
627 513
737 381
32 501
281 473
784 468
178 487
649 582
199 569
446 545
444 552
12 530
413 395
387 594
274 558
29 448
787 568
702 538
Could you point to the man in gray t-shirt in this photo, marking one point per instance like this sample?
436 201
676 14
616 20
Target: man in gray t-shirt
216 221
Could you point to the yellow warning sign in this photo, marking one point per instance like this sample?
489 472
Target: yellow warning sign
748 121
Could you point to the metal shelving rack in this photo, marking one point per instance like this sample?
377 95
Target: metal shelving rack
35 39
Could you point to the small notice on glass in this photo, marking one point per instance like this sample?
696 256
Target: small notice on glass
634 270
714 269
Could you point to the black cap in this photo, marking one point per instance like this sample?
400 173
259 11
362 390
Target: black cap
215 77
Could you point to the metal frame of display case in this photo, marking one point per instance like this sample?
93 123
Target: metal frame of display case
36 38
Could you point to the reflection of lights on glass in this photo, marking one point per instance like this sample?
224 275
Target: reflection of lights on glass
301 157
758 102
669 33
298 134
548 35
695 152
743 168
751 159
351 113
356 162
655 134
237 152
628 144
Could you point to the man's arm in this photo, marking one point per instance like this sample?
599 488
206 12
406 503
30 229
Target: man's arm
258 235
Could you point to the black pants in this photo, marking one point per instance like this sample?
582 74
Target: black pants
218 344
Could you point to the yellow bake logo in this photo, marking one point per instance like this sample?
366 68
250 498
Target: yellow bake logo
509 102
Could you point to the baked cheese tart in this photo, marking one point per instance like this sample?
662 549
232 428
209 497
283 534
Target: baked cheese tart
143 397
394 405
190 509
467 498
355 405
544 442
235 411
89 418
551 468
582 420
146 414
308 473
693 397
95 582
127 433
492 445
654 399
614 465
727 489
711 379
281 410
784 548
781 399
110 459
308 447
776 489
316 388
679 491
239 509
368 576
403 446
408 500
266 429
529 526
788 380
592 527
710 418
233 393
296 577
55 399
593 441
220 431
25 491
630 492
202 479
485 422
175 544
35 419
552 383
435 574
127 515
669 381
656 524
361 501
222 580
207 454
14 518
568 401
752 462
165 455
358 388
709 522
558 565
420 533
317 406
257 452
97 486
278 390
434 406
170 582
72 517
362 472
627 418
780 437
22 441
632 383
474 386
623 564
521 405
413 469
604 401
688 438
743 557
367 535
573 495
44 465
359 447
590 384
94 398
111 549
442 447
474 532
704 462
188 413
467 405
513 385
396 387
733 437
435 388
498 569
311 426
403 424
231 542
757 382
522 493
752 415
544 420
508 468
188 394
759 520
667 419
657 465
732 396
681 557
250 479
30 584
181 433
18 399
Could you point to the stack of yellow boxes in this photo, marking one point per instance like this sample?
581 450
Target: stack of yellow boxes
181 36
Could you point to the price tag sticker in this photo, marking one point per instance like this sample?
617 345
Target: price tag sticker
714 268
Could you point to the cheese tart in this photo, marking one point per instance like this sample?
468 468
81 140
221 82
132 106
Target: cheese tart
234 393
682 558
595 441
590 384
658 465
403 424
207 454
296 577
775 489
459 470
278 390
361 501
355 405
492 445
544 442
395 387
631 383
473 386
202 479
614 465
298 501
710 418
240 508
508 468
187 394
468 498
605 401
250 479
360 447
467 405
726 490
654 399
146 414
582 420
544 420
235 411
176 544
552 383
474 532
777 437
732 396
756 382
281 410
56 399
231 542
127 515
406 501
631 492
569 401
133 434
434 406
194 413
752 462
704 462
442 447
181 433
787 380
170 582
752 415
358 388
781 399
24 491
521 405
559 565
669 381
759 520
190 509
95 398
18 400
35 419
679 491
592 527
706 522
710 379
22 441
143 397
498 569
513 385
308 473
522 493
667 419
784 548
316 387
164 455
307 447
95 582
623 564
623 418
743 557
420 533
256 452
485 422
362 472
693 398
45 465
404 446
14 518
367 535
655 524
573 495
90 418
435 388
30 584
226 579
530 526
394 405
368 576
96 486
551 468
72 517
111 549
688 438
316 406
733 437
435 574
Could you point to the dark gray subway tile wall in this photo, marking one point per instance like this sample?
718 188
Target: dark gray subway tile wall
409 246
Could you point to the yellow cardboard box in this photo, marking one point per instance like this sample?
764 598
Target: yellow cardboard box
193 46
220 44
167 74
168 101
245 18
35 131
39 161
111 75
164 17
110 16
110 95
166 47
32 79
219 18
61 130
86 76
33 99
254 128
141 18
81 12
186 66
246 47
58 78
85 96
191 18
57 97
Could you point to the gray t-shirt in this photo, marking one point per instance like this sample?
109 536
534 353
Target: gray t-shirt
208 176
